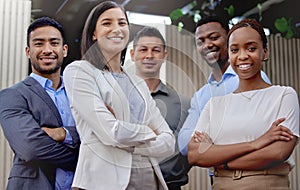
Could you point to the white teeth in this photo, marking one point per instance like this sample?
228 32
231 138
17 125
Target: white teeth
47 60
244 66
211 55
116 39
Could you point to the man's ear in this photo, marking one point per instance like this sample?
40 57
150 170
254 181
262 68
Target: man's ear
166 54
132 54
27 51
65 50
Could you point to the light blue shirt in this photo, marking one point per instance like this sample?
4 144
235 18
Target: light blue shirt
64 179
136 102
226 85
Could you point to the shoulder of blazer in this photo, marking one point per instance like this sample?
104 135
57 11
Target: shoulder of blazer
29 81
83 66
36 88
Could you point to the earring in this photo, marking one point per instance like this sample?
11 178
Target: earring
266 59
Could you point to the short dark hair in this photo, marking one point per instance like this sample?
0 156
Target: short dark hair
45 21
148 31
253 24
223 22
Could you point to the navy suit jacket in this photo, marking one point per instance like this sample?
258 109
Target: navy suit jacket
24 108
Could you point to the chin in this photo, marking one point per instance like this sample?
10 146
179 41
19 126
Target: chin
212 64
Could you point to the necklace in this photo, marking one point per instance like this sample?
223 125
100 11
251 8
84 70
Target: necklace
251 95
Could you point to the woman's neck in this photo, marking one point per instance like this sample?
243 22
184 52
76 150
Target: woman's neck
114 64
251 84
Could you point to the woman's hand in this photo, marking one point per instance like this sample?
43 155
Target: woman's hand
198 144
277 132
110 109
202 137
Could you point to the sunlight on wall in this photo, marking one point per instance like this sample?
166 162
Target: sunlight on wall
143 19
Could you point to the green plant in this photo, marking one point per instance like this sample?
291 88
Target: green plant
259 7
208 7
284 26
176 14
230 10
186 10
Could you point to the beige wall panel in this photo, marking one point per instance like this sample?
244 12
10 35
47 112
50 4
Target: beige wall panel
14 19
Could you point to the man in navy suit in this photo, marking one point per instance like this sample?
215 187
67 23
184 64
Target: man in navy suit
36 118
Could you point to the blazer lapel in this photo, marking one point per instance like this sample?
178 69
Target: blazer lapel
35 87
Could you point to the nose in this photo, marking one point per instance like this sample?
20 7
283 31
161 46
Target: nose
149 54
116 28
47 48
242 55
207 44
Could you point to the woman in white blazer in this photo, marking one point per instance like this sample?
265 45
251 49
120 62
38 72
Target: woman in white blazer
122 131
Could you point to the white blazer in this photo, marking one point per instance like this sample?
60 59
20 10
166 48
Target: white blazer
103 164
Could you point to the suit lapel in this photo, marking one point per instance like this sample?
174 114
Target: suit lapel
36 88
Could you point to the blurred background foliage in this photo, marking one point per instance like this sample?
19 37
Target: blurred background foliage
273 14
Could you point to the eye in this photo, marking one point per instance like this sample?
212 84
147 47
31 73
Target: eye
158 50
199 42
233 50
123 23
106 23
142 50
38 44
55 43
214 38
252 49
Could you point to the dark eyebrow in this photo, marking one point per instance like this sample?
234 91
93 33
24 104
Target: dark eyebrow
247 44
145 46
106 19
208 35
141 46
252 42
43 39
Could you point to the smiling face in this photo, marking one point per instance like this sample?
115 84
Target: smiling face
211 43
246 52
46 50
111 32
148 55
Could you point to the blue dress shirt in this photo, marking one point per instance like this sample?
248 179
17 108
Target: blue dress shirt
64 179
226 85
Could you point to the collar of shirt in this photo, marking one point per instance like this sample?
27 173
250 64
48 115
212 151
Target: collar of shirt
64 178
229 72
46 83
161 89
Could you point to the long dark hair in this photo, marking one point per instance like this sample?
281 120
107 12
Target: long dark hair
89 49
